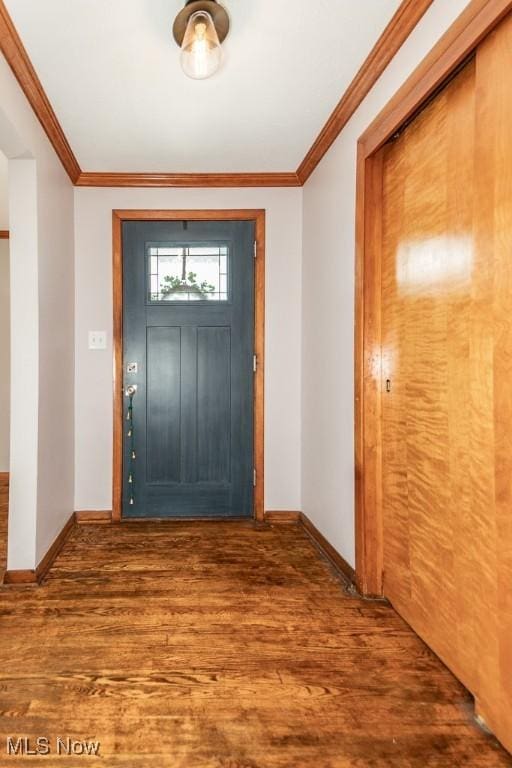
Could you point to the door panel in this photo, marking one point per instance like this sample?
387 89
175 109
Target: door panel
188 325
214 404
447 352
163 405
427 251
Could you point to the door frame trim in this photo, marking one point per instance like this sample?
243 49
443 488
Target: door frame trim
477 20
258 217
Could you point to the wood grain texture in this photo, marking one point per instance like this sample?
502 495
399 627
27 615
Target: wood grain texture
20 577
4 234
367 405
92 516
491 402
469 29
334 557
256 215
259 376
476 21
282 516
235 645
426 289
36 576
91 179
18 60
117 365
47 561
447 350
397 31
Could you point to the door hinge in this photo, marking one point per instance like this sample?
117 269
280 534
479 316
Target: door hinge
254 478
255 248
255 363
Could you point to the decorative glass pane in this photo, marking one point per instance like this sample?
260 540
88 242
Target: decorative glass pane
188 273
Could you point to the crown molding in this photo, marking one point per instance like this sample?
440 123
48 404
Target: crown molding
399 28
396 33
18 60
188 180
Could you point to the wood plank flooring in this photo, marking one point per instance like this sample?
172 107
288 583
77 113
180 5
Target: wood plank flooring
222 645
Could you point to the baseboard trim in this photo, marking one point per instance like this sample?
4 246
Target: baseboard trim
36 576
48 560
93 517
278 516
12 578
4 478
299 518
327 549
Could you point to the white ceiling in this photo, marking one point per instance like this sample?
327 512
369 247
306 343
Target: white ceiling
111 71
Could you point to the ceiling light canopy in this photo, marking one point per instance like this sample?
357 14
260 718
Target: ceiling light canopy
199 29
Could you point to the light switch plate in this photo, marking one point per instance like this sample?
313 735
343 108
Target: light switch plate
97 339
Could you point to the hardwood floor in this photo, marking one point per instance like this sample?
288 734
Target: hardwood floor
222 645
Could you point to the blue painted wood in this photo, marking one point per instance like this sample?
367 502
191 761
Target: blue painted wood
193 411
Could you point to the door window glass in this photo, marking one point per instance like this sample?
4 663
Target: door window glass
188 273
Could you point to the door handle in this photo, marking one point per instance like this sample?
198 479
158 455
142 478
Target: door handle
131 390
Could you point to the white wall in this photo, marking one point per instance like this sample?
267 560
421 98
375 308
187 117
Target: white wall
93 254
42 331
4 321
4 198
4 355
328 301
24 295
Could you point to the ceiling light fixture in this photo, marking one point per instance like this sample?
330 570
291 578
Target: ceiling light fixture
199 29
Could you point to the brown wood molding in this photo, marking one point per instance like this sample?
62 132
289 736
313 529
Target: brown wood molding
48 560
367 367
397 31
188 180
256 215
400 26
13 578
4 478
468 30
279 516
18 60
93 517
327 549
4 234
294 518
478 19
36 576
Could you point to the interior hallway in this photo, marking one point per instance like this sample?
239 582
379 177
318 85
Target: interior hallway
223 645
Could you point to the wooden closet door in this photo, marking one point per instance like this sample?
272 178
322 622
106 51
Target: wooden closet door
447 376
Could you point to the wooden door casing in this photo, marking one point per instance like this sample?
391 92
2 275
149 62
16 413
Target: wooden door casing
446 351
233 214
478 19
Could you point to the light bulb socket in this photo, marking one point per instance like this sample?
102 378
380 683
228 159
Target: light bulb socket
219 16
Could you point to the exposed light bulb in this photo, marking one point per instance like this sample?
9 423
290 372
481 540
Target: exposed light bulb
201 53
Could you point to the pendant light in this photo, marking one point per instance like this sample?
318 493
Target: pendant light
199 29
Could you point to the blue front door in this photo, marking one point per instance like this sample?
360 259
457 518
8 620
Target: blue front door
188 336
